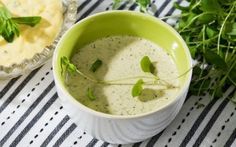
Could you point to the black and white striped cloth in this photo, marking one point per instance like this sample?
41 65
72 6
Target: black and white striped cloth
31 113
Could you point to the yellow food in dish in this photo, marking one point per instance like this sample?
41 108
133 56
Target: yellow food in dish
32 40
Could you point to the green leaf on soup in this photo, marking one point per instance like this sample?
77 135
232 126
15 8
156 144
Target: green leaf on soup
147 65
70 67
137 88
90 94
97 64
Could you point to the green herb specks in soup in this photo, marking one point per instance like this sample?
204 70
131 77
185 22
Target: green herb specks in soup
116 61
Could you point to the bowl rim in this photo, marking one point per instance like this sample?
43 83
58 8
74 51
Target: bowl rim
69 97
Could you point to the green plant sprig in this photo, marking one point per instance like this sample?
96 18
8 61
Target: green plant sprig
9 25
69 67
145 64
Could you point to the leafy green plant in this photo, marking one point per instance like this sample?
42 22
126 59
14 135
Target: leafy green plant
209 29
9 26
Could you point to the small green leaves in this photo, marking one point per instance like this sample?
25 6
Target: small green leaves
143 4
211 6
206 18
97 64
230 31
216 60
9 26
210 32
71 68
137 88
90 94
233 29
209 29
30 21
147 65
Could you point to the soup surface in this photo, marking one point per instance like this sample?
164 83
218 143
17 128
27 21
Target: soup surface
121 56
32 40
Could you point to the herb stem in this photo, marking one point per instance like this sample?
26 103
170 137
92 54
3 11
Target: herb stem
115 82
203 38
172 16
205 41
145 83
135 77
222 27
197 4
227 52
200 88
87 77
195 18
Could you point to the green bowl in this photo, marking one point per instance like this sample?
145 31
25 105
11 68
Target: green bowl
115 128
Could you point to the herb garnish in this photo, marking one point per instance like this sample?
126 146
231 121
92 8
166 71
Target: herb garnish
90 94
137 88
69 67
72 69
147 65
9 26
97 64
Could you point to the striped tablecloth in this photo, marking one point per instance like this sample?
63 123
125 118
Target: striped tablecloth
31 113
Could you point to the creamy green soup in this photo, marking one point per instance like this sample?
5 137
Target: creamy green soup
120 56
